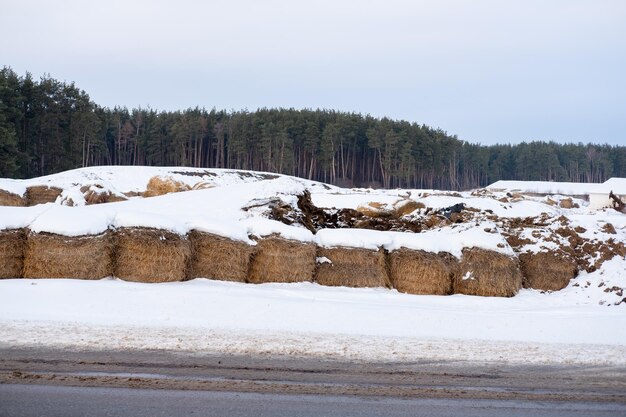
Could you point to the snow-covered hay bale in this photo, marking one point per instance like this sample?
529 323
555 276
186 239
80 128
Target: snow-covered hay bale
161 186
547 271
50 255
218 257
151 255
10 199
351 267
12 244
487 273
419 272
280 260
96 194
41 194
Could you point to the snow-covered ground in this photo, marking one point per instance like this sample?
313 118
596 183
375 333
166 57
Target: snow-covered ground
580 324
311 320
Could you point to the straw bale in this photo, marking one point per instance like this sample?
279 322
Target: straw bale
218 257
50 255
404 207
12 243
151 255
41 194
547 271
352 267
566 203
280 260
487 273
10 199
160 186
419 272
95 194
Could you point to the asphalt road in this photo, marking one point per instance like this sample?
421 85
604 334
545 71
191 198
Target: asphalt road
55 383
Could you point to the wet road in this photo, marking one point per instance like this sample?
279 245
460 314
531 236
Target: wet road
51 383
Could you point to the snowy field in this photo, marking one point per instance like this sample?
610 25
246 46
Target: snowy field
581 324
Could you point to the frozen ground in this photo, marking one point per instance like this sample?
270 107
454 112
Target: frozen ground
570 326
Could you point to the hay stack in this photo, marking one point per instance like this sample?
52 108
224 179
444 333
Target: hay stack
50 255
41 194
10 199
547 271
419 272
219 258
351 267
160 186
281 260
12 243
95 194
151 255
487 273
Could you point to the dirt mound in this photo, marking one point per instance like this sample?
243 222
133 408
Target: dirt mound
350 267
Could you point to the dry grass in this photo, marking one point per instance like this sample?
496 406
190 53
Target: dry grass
160 186
487 273
280 260
12 245
49 255
419 272
351 267
547 271
151 255
10 199
41 194
219 258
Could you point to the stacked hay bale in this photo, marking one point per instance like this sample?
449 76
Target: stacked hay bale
41 194
12 244
218 257
419 272
10 199
50 255
351 267
151 255
487 273
547 271
95 194
160 186
281 260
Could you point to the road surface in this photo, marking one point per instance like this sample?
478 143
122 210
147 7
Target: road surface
153 383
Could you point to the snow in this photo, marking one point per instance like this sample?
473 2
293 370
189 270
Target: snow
580 324
571 326
617 185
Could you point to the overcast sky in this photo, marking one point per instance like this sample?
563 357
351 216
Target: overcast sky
486 70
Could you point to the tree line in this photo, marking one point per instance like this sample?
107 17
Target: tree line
47 126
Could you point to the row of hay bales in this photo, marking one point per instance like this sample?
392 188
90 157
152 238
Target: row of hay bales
38 194
150 255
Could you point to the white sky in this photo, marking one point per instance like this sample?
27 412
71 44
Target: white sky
486 70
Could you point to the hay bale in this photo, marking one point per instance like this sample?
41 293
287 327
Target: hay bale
218 257
487 273
547 271
352 267
151 255
566 203
404 207
10 199
42 194
419 272
50 255
96 194
12 244
280 260
161 185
